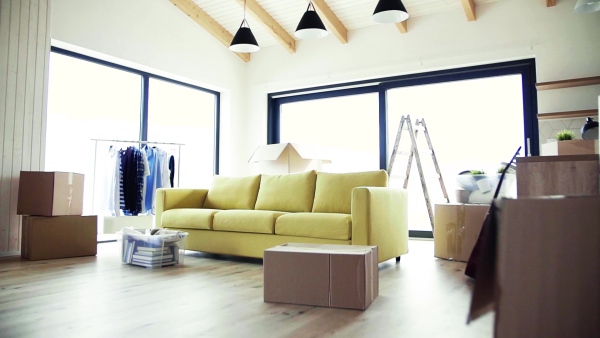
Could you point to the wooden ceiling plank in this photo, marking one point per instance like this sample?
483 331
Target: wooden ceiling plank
469 8
402 26
330 20
208 23
270 24
550 3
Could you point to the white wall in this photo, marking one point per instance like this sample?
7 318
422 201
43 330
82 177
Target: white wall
564 44
155 35
24 46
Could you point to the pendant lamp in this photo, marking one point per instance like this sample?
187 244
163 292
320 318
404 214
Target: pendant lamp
310 26
244 41
587 6
390 11
590 129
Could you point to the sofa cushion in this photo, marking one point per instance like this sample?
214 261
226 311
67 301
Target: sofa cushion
257 221
333 192
287 192
192 218
232 192
315 225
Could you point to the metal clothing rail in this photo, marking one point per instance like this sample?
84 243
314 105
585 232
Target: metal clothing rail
138 141
125 141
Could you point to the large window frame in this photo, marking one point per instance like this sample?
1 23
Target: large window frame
525 68
145 92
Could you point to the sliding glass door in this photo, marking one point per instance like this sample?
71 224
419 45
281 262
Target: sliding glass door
473 125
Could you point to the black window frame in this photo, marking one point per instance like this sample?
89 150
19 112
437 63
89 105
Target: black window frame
145 93
524 67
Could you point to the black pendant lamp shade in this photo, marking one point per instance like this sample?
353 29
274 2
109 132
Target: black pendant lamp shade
310 26
244 41
390 11
590 129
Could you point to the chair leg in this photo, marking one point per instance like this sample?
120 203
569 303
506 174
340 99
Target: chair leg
397 259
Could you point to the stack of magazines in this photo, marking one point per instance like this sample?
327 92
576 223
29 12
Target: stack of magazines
152 251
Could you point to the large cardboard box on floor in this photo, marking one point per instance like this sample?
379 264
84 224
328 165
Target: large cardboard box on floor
44 193
284 158
58 237
341 276
456 229
540 268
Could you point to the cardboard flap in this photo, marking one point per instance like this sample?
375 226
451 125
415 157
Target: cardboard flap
272 152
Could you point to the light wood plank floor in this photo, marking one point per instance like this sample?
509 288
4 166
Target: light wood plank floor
218 296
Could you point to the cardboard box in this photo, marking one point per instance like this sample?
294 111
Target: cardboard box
58 237
50 193
456 229
283 158
539 271
341 276
558 175
569 147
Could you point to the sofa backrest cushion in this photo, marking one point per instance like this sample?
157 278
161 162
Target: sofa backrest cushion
333 192
232 192
287 192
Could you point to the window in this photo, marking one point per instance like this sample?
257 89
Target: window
476 116
93 99
346 127
184 115
471 127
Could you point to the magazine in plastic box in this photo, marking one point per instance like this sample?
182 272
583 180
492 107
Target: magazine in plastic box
161 248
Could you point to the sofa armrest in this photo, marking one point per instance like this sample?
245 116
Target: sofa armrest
380 217
174 198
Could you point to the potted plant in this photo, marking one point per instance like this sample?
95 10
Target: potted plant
567 144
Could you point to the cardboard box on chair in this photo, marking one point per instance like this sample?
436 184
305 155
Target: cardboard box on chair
58 237
342 276
44 193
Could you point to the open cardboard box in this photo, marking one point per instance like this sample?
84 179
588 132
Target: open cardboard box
283 158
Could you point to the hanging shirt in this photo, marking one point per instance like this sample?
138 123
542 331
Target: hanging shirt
110 203
150 180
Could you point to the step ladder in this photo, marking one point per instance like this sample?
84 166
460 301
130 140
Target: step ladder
414 153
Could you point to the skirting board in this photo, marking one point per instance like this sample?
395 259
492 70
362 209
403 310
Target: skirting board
113 224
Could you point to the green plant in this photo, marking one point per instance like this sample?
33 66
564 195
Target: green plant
564 135
477 172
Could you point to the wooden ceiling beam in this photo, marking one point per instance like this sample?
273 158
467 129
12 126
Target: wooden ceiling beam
469 8
330 20
402 26
270 24
550 3
208 23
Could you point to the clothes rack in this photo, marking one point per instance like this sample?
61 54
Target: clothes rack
140 142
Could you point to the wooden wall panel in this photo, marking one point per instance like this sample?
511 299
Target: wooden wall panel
24 51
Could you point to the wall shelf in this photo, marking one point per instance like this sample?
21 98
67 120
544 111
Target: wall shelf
585 81
568 114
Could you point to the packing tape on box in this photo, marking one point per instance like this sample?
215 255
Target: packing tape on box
455 233
70 197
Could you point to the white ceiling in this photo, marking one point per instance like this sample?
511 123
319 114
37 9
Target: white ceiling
353 14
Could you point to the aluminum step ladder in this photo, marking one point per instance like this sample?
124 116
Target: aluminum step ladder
414 153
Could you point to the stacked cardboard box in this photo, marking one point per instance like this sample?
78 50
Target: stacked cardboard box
52 225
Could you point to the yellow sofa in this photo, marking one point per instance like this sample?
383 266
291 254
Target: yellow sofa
243 216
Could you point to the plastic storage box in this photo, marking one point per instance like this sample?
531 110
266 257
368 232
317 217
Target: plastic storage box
163 248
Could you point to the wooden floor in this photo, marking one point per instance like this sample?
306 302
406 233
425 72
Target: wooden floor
217 296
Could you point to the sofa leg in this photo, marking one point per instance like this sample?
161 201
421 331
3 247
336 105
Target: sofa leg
397 259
